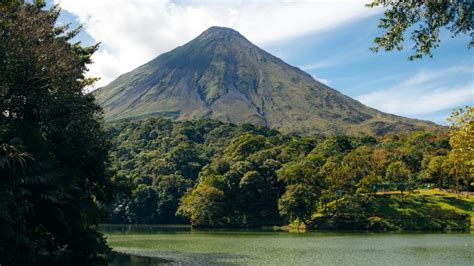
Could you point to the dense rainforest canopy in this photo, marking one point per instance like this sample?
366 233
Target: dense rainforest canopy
219 174
53 150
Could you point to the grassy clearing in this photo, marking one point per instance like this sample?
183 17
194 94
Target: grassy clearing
423 210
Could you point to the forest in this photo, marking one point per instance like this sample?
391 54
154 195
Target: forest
53 147
216 174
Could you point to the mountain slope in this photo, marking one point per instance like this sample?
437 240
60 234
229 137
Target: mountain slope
221 75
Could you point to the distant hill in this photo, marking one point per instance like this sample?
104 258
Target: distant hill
221 75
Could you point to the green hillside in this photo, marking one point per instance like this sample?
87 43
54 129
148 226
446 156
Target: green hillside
422 210
215 174
223 76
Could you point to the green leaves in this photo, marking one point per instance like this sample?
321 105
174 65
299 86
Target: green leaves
424 19
14 163
51 199
462 143
298 202
249 177
204 206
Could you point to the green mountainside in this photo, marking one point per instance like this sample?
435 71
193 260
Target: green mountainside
214 174
221 75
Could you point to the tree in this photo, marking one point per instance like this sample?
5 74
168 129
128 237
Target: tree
204 206
54 209
334 181
299 171
462 143
302 191
369 185
398 175
298 203
143 206
187 160
14 162
170 189
356 165
256 199
439 170
337 145
425 19
254 178
244 145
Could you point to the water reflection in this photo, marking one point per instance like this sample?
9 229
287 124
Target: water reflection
120 259
144 228
181 245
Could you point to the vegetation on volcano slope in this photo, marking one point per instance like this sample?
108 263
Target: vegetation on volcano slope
223 175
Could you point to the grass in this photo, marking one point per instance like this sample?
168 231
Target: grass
421 210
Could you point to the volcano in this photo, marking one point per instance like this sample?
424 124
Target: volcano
221 75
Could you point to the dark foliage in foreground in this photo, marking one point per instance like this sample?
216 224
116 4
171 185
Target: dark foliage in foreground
52 171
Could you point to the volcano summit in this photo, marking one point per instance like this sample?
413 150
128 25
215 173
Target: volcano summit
221 75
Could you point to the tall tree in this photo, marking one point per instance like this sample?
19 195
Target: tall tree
398 175
424 19
302 192
462 143
204 206
53 210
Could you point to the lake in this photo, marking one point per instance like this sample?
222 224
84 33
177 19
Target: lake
170 245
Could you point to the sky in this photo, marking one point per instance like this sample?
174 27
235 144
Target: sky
328 39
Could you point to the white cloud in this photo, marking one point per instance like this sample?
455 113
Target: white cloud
134 32
423 93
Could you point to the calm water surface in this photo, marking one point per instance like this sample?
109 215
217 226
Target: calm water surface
158 245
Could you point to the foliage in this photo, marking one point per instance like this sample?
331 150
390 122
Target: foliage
154 153
303 186
50 199
424 19
368 185
422 210
440 171
462 143
298 202
398 175
205 206
247 176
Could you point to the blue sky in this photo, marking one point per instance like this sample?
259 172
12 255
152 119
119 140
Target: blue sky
386 80
329 40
